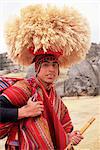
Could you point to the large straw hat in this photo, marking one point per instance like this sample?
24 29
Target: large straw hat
42 30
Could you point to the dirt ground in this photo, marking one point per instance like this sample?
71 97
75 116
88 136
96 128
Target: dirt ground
81 110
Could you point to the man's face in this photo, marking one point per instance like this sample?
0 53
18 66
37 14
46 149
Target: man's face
48 71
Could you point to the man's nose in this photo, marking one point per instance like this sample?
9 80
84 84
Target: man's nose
51 67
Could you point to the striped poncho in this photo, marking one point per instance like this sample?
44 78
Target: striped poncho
47 131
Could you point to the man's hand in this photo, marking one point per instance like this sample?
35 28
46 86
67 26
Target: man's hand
75 137
32 109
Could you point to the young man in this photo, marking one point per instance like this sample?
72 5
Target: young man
47 109
35 116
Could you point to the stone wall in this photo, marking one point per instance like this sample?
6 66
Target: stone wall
7 66
5 63
84 78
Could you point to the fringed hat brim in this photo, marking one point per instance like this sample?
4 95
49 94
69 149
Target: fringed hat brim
63 31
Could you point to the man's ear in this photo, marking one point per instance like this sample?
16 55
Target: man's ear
58 70
38 70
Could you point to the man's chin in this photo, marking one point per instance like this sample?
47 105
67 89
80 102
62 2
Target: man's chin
49 81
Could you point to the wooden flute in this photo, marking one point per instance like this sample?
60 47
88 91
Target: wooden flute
82 130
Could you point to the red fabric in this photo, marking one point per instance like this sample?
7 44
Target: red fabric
41 51
16 96
57 132
32 133
5 82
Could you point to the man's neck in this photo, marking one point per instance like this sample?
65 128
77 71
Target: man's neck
47 86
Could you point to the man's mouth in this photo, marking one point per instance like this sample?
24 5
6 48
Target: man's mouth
50 75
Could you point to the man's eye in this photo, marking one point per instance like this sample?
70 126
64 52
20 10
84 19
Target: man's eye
55 64
45 64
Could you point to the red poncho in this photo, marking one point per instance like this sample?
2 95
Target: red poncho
45 132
